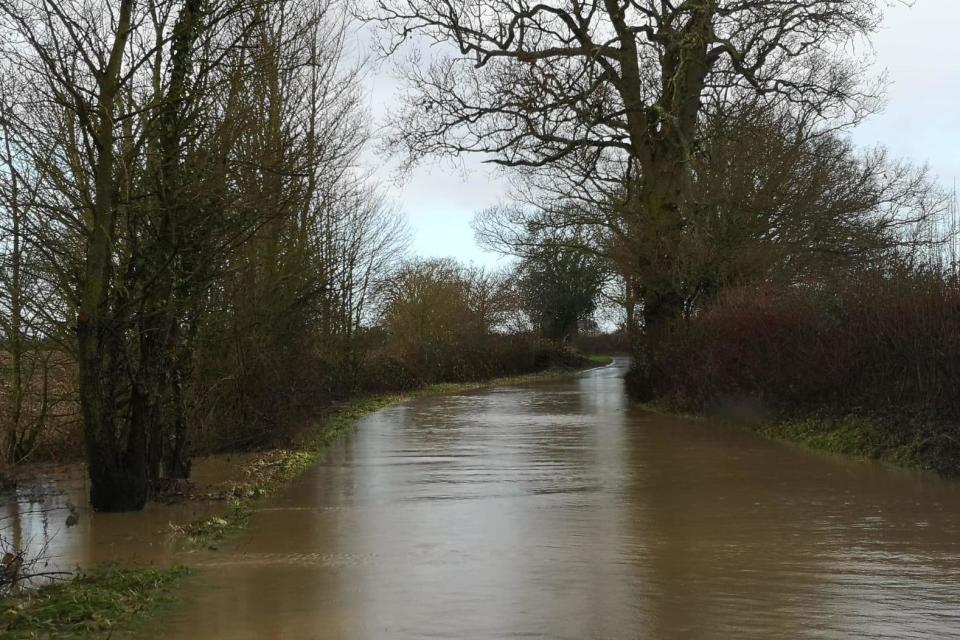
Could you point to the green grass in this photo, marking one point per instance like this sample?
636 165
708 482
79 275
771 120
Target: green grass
852 436
599 360
664 409
264 475
93 604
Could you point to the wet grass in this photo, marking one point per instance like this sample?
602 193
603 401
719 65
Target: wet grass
93 604
852 436
598 360
263 476
855 436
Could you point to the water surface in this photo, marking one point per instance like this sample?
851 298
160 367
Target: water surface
34 518
558 510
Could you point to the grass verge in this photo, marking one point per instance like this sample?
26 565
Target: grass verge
93 604
888 441
273 469
852 436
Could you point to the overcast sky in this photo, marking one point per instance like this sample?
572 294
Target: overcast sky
919 47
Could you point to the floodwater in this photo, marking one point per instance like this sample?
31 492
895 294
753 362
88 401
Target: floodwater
34 518
559 510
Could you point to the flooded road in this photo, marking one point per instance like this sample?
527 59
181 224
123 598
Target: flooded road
550 510
557 510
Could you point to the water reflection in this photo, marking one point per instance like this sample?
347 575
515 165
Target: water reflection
34 518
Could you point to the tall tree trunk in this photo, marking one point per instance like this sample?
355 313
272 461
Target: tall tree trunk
177 463
164 352
15 338
662 139
116 458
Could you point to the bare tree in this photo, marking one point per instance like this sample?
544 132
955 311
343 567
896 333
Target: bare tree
76 59
773 199
108 113
595 81
281 329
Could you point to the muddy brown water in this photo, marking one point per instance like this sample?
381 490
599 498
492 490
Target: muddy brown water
34 518
558 510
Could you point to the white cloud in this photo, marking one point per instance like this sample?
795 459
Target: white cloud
918 47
